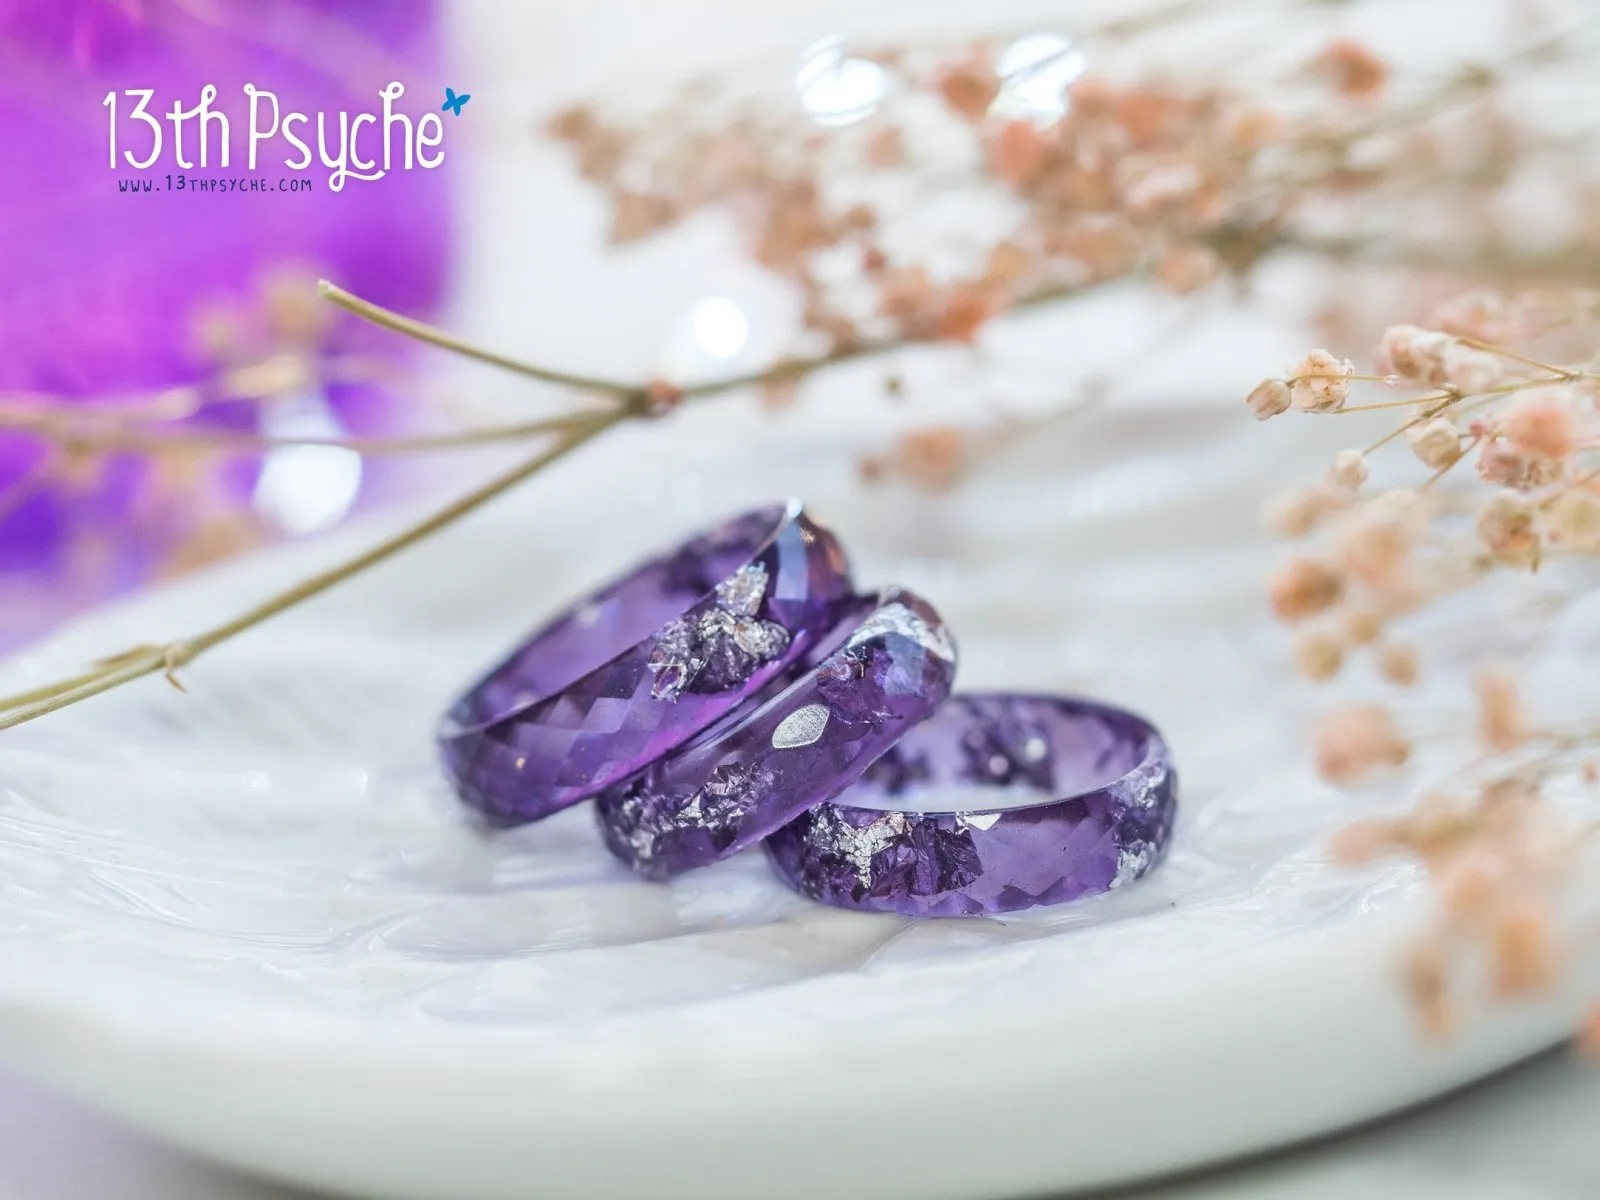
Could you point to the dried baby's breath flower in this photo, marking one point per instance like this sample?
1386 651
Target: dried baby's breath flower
1149 184
1436 443
907 297
1352 68
933 459
1318 654
1269 398
1415 354
872 468
1249 128
1427 981
1349 470
294 310
211 541
1522 948
1471 371
1437 826
1404 592
966 308
1506 526
1572 519
1295 514
1504 464
1398 664
1362 626
1501 725
1541 426
1362 841
1496 853
886 147
220 334
1404 506
1506 803
1302 588
1352 741
1018 151
1480 313
779 394
1009 264
571 123
1375 546
637 214
1187 268
1320 382
1589 1032
970 87
1470 883
1105 244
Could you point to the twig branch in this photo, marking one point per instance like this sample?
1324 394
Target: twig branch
1481 261
434 336
149 660
572 431
637 395
99 438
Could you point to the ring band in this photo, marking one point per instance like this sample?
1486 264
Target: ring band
640 666
888 664
1068 798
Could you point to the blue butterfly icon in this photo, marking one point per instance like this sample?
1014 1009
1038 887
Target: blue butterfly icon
453 102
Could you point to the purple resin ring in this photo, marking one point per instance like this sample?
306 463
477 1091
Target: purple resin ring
639 667
888 664
1067 798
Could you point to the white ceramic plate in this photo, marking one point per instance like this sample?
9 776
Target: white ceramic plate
252 922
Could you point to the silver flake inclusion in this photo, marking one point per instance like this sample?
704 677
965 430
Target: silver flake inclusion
897 618
742 591
801 727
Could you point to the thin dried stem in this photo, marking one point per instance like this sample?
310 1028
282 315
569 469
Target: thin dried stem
433 336
133 439
1581 481
1427 484
1409 403
1562 374
1486 261
56 688
1451 400
168 658
637 395
1294 379
1422 417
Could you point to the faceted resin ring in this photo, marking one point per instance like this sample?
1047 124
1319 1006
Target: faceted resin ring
995 803
639 667
887 664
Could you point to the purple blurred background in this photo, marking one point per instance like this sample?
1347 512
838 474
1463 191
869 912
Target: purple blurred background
108 298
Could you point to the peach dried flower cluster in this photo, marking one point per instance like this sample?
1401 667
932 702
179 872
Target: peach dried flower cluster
1505 446
931 459
958 189
1371 567
1126 177
1498 855
1526 428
